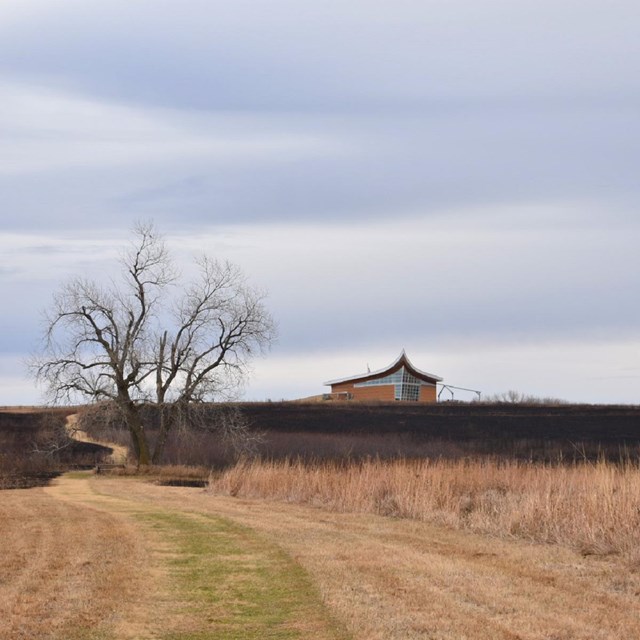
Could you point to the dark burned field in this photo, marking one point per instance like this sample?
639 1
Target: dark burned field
34 447
542 432
605 423
351 431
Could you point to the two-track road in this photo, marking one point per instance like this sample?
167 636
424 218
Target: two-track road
94 557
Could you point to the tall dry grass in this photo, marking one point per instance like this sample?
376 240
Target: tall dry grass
594 508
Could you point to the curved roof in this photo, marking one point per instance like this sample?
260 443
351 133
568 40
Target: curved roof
402 359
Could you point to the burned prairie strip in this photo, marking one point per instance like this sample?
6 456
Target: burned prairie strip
35 447
449 430
356 430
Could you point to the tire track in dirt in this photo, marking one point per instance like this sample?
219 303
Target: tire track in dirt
65 568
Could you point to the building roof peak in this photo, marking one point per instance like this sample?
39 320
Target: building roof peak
401 359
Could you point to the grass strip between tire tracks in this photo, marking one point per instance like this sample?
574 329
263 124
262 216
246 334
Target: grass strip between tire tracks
230 584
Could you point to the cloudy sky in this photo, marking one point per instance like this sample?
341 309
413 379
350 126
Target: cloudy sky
458 178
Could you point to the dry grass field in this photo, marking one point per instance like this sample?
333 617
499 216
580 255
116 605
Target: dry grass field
592 508
116 557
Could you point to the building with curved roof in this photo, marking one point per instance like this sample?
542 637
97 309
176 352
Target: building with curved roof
399 381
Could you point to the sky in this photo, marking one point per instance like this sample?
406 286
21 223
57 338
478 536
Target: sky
456 178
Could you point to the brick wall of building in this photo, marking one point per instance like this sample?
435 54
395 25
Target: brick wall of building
385 393
428 394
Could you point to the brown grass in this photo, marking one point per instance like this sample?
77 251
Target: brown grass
397 579
591 508
37 409
68 571
161 473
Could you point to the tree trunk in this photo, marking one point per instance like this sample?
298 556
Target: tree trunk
138 434
166 422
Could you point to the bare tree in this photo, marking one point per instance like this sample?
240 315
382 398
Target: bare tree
52 437
516 397
151 338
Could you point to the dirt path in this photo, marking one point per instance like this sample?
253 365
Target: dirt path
395 579
119 453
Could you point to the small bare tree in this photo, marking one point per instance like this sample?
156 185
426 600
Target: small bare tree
134 342
53 436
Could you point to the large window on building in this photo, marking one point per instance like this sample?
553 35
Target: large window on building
407 386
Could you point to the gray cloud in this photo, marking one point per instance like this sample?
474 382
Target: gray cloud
362 168
357 54
506 279
420 174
